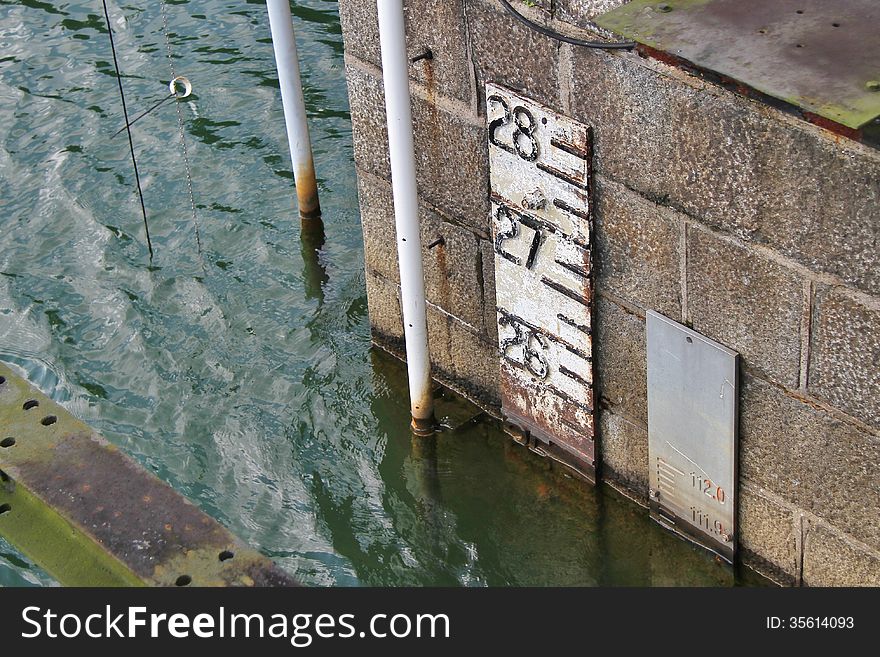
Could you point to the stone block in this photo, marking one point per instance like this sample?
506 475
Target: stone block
386 324
442 361
452 164
733 163
366 98
623 448
360 30
832 560
747 303
377 223
808 457
620 360
845 354
490 314
435 26
453 269
478 366
463 359
506 52
768 536
638 249
440 28
451 156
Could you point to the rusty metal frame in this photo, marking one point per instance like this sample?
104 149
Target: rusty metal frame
91 516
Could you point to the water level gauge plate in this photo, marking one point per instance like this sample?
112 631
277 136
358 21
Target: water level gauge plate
539 164
820 55
692 434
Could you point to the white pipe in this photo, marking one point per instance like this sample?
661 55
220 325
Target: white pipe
287 63
395 73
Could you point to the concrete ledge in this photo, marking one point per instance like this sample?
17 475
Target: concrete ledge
91 516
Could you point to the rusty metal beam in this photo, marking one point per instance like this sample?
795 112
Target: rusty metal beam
90 515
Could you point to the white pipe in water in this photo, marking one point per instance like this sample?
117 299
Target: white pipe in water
395 73
287 62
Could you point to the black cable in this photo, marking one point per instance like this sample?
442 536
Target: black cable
128 128
603 45
142 115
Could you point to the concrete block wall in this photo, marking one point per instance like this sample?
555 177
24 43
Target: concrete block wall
752 226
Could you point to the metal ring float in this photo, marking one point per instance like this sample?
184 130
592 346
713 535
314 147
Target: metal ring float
187 86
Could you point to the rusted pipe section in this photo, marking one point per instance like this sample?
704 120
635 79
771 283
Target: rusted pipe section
287 63
395 73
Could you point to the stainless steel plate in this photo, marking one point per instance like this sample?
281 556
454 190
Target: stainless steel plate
693 390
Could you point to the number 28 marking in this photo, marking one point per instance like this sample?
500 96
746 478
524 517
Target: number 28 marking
524 129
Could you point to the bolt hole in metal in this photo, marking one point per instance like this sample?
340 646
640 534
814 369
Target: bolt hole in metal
183 580
689 339
7 442
226 555
2 380
5 508
29 404
49 420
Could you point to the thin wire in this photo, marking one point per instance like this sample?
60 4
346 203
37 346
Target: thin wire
140 116
137 177
600 45
189 183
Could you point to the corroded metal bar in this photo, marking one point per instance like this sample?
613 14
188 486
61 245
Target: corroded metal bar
90 515
392 38
287 62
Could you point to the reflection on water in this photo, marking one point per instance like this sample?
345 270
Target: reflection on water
248 383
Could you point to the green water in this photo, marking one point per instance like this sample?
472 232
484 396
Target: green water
241 372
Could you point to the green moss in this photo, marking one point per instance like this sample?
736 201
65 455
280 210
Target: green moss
65 552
